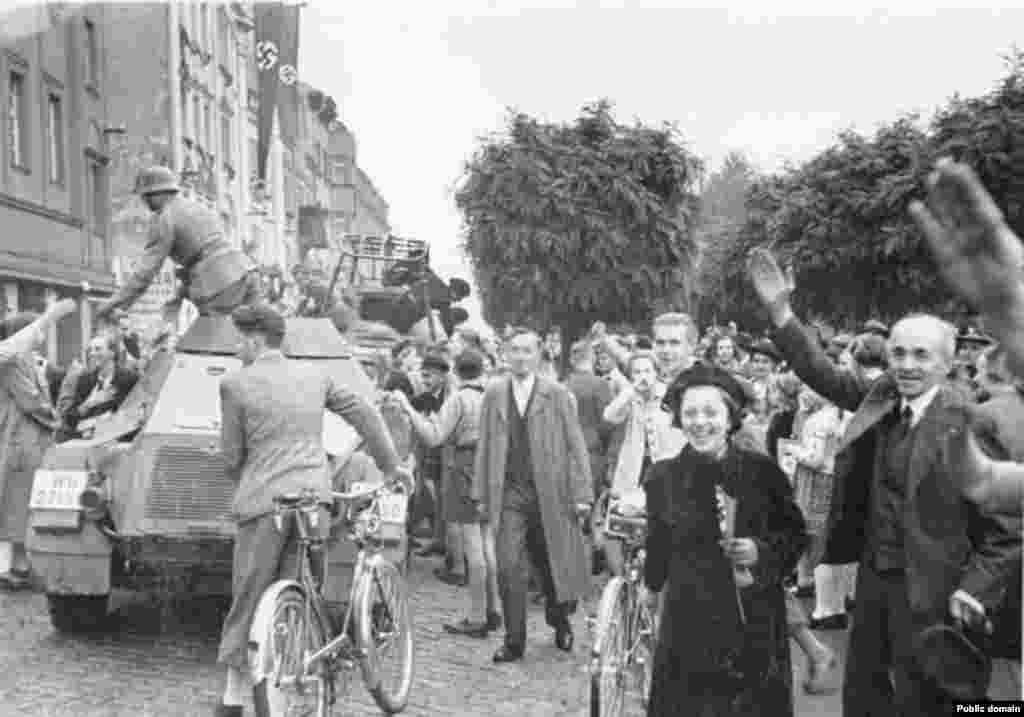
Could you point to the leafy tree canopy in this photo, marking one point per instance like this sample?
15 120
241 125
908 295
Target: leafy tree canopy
566 224
840 219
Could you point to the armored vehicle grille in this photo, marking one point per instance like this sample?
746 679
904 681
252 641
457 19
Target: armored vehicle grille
188 484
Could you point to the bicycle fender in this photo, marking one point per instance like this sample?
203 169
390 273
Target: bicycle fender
263 615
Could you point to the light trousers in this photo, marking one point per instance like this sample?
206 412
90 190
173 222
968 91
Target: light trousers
481 557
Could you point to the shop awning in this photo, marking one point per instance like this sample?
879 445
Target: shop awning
47 271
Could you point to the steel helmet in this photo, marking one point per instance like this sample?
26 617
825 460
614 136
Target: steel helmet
156 179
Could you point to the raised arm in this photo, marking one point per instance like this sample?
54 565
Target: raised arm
25 340
367 421
158 248
804 354
977 253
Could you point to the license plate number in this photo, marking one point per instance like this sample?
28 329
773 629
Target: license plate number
57 490
393 508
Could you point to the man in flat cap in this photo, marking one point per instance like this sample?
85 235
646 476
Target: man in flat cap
216 276
272 413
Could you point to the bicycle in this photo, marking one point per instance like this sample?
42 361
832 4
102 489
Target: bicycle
299 652
625 627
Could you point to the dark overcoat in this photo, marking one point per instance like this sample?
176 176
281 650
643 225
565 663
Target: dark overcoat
709 660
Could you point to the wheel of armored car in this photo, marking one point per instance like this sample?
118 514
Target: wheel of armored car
146 504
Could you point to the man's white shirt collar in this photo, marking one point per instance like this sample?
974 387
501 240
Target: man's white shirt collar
521 389
920 404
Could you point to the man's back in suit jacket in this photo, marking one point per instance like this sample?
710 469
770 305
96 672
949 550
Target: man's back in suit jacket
272 430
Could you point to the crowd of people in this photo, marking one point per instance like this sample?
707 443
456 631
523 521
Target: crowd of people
876 473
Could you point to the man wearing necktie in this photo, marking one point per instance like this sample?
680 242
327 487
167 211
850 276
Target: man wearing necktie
533 476
927 556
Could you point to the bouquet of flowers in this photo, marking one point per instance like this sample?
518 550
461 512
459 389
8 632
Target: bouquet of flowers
727 522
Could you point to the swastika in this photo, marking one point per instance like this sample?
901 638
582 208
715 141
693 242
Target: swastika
266 55
288 74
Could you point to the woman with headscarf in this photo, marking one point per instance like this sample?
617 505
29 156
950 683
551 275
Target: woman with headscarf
27 423
724 533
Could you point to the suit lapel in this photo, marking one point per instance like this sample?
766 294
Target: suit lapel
541 389
927 438
503 399
878 403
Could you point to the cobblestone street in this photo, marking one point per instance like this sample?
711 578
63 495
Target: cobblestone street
138 672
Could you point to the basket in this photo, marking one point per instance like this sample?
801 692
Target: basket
629 525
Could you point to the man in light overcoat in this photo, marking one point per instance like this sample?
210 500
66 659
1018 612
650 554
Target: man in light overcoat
533 477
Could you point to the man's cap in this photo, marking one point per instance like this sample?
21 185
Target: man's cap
437 361
766 348
153 180
952 662
975 337
259 318
874 326
843 341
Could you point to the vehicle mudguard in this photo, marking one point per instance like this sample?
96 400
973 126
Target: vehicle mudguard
73 561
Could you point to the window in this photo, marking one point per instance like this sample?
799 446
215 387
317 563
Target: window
17 121
55 137
224 40
225 137
92 55
98 198
209 130
197 117
204 27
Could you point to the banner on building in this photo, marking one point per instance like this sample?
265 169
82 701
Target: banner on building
277 60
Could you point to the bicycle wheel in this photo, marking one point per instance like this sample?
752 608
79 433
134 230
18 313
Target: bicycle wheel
643 657
384 629
610 652
287 633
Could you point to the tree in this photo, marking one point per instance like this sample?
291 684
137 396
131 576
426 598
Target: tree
566 224
840 219
723 214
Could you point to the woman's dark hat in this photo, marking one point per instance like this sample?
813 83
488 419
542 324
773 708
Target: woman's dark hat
766 348
952 662
703 375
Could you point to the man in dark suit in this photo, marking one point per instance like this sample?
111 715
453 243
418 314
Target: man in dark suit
592 396
272 416
926 554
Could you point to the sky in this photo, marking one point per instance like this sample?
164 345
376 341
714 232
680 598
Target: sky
419 83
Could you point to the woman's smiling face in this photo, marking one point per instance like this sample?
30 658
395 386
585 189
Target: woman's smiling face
704 415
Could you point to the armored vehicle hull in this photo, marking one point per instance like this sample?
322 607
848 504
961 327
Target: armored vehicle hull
146 504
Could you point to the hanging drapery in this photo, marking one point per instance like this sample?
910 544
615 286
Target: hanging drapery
277 59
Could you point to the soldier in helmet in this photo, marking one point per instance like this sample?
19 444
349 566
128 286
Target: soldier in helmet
216 277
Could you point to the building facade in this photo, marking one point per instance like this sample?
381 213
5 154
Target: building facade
184 102
55 165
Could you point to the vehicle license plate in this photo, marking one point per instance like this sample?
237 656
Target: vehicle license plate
57 490
393 508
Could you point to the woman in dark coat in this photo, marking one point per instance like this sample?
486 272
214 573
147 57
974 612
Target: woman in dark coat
723 644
